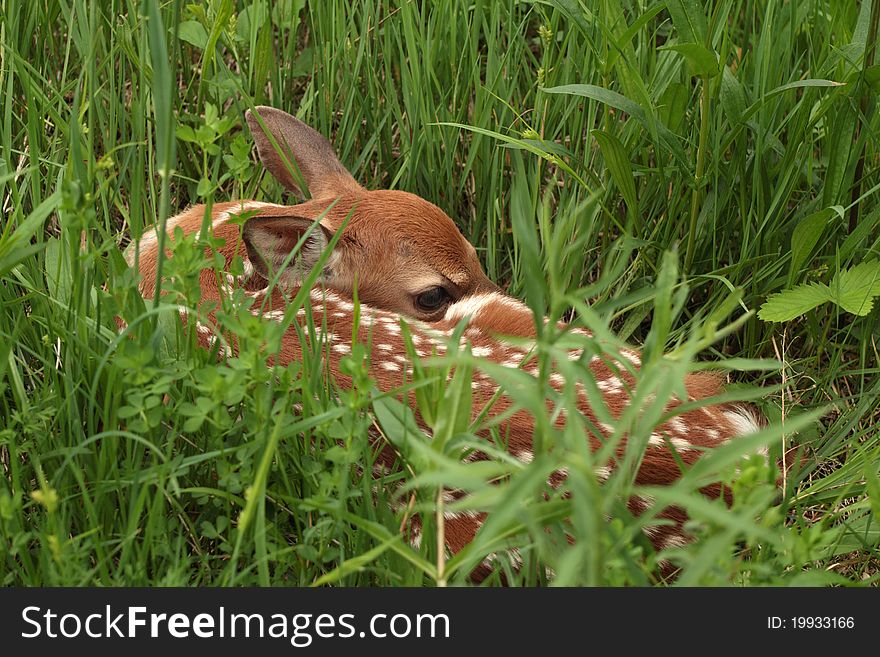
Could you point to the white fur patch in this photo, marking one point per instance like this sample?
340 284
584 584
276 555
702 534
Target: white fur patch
525 456
472 306
744 423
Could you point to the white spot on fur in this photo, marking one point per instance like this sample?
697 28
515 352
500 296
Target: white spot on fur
469 306
674 540
457 515
680 444
678 425
744 422
611 384
652 531
516 557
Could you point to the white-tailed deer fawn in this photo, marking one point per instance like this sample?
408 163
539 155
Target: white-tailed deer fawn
411 263
404 252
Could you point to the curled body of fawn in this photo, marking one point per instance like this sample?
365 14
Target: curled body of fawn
412 265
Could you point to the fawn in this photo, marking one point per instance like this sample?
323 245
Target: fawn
412 265
405 253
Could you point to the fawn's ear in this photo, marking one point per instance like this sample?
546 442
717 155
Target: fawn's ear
270 240
300 148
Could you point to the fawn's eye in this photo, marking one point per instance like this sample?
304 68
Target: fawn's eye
432 299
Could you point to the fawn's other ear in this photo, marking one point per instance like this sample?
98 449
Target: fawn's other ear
270 240
303 148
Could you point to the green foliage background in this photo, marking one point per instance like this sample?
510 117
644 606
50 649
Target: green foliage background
652 170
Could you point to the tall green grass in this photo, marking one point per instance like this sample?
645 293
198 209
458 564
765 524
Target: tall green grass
653 171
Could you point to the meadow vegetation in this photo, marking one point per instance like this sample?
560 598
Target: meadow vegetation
654 171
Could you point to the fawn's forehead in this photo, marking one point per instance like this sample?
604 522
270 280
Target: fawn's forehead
417 229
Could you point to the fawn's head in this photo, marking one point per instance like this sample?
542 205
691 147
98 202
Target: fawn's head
403 253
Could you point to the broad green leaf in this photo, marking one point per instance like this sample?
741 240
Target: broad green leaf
789 304
186 133
619 167
804 238
701 61
689 20
855 288
57 271
250 18
734 101
576 13
672 107
302 65
193 33
852 289
839 145
399 426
